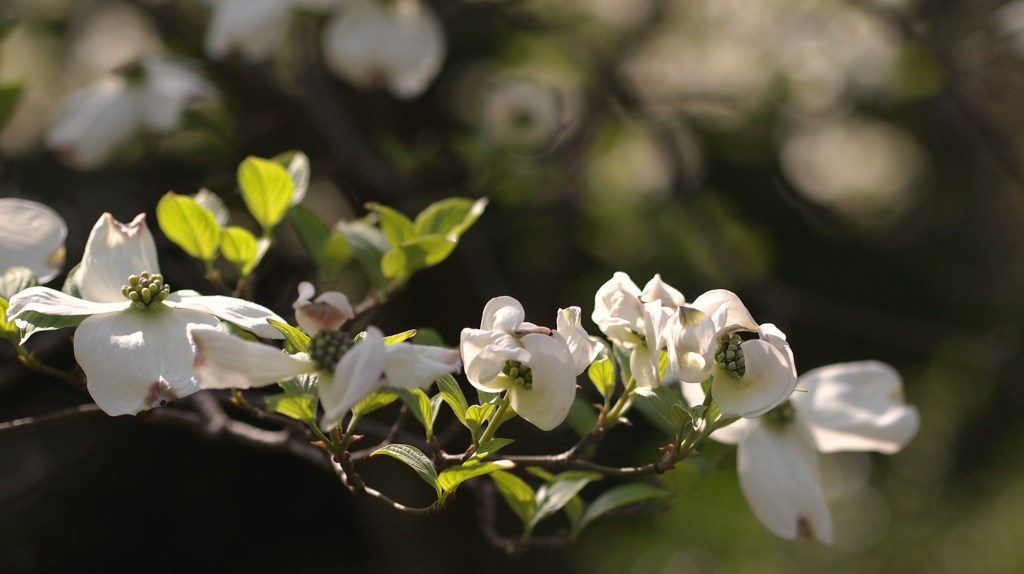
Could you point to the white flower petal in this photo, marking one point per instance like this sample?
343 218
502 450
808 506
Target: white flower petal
224 361
658 290
769 380
113 252
357 374
617 307
329 312
46 301
249 28
484 354
778 476
547 402
169 88
138 360
584 349
856 406
502 314
644 370
690 337
95 123
726 310
31 235
414 53
247 315
408 366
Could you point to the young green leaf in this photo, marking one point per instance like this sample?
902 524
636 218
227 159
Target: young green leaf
451 478
491 447
452 215
397 228
552 496
189 225
414 459
452 394
300 407
313 232
517 494
267 190
617 498
368 245
35 322
295 341
296 164
374 401
399 337
334 255
8 330
419 405
240 248
602 374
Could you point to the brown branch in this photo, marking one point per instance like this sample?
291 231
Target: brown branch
54 417
345 471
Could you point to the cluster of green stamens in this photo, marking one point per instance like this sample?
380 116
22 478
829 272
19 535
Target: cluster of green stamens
729 355
519 373
780 416
327 347
145 290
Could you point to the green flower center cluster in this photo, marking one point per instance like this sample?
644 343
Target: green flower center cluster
519 373
729 355
327 347
781 416
145 290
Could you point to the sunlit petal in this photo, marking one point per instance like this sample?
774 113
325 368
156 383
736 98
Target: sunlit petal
658 290
113 252
50 302
726 310
358 373
484 354
769 380
408 366
31 235
690 337
245 314
583 347
547 402
502 314
224 361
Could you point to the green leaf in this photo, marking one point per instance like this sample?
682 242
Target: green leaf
296 164
420 253
399 337
662 400
397 228
267 190
295 341
374 401
476 415
602 374
663 362
452 215
189 225
15 280
9 96
419 405
334 255
214 204
414 459
452 394
368 245
240 248
300 407
451 478
552 496
8 330
582 416
36 322
8 22
518 494
313 232
491 447
617 498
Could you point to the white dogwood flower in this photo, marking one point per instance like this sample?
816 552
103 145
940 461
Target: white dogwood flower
750 376
31 235
635 320
347 370
96 122
251 29
533 364
855 406
132 338
397 44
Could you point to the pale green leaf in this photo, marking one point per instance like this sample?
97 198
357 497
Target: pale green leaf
414 459
15 280
240 248
373 401
189 225
552 496
397 228
602 374
452 215
297 165
419 253
300 407
452 394
334 255
8 330
267 190
399 337
491 447
451 478
295 341
617 498
32 322
517 494
419 405
368 245
313 232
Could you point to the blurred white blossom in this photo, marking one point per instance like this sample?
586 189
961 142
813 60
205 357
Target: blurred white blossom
31 235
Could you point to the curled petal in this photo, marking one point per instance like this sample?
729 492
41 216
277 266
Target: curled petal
856 406
328 312
727 311
357 374
690 337
658 290
770 379
484 354
502 314
113 252
584 349
32 236
224 361
777 474
547 402
138 360
617 307
408 366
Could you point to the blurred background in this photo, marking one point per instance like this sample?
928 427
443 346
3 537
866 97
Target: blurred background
852 169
